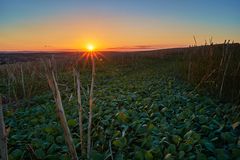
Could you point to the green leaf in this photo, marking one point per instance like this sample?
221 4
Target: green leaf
72 122
60 139
49 139
168 157
49 130
192 137
228 137
34 121
202 119
185 147
171 149
121 142
148 155
208 145
176 139
164 109
201 156
151 127
52 157
236 152
221 154
39 154
121 116
181 154
188 134
139 155
96 155
16 154
205 128
53 148
119 156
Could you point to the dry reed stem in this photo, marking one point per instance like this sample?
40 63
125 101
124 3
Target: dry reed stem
206 77
59 109
222 60
3 134
225 71
14 82
190 60
90 108
195 41
22 81
80 109
110 148
189 67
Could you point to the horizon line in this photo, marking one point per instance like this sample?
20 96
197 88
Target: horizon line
111 49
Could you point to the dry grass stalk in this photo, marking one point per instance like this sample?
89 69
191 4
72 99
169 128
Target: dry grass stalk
22 81
206 77
80 109
54 66
238 67
225 71
12 81
74 81
59 109
190 60
222 60
90 107
210 55
195 41
3 134
189 67
8 86
110 148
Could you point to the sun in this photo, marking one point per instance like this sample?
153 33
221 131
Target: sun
91 52
90 47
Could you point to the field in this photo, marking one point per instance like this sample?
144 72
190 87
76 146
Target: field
166 104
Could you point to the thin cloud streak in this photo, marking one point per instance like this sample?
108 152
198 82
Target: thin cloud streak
142 47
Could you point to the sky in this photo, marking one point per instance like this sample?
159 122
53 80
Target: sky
33 25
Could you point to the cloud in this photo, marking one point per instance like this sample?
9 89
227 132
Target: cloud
136 47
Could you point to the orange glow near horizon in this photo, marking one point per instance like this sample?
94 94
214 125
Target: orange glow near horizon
114 25
107 34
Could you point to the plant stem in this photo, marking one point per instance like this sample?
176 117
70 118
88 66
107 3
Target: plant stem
59 110
225 72
80 110
23 85
3 135
90 106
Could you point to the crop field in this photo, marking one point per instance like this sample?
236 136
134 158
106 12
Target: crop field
165 104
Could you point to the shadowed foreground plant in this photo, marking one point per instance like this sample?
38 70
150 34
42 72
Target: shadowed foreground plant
3 134
59 108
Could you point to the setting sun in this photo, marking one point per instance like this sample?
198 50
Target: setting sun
90 47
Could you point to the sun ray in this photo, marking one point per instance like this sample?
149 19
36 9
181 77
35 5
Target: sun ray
91 53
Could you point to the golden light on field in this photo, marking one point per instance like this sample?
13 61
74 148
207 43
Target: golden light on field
90 47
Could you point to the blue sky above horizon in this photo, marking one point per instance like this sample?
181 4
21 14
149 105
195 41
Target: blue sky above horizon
53 25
